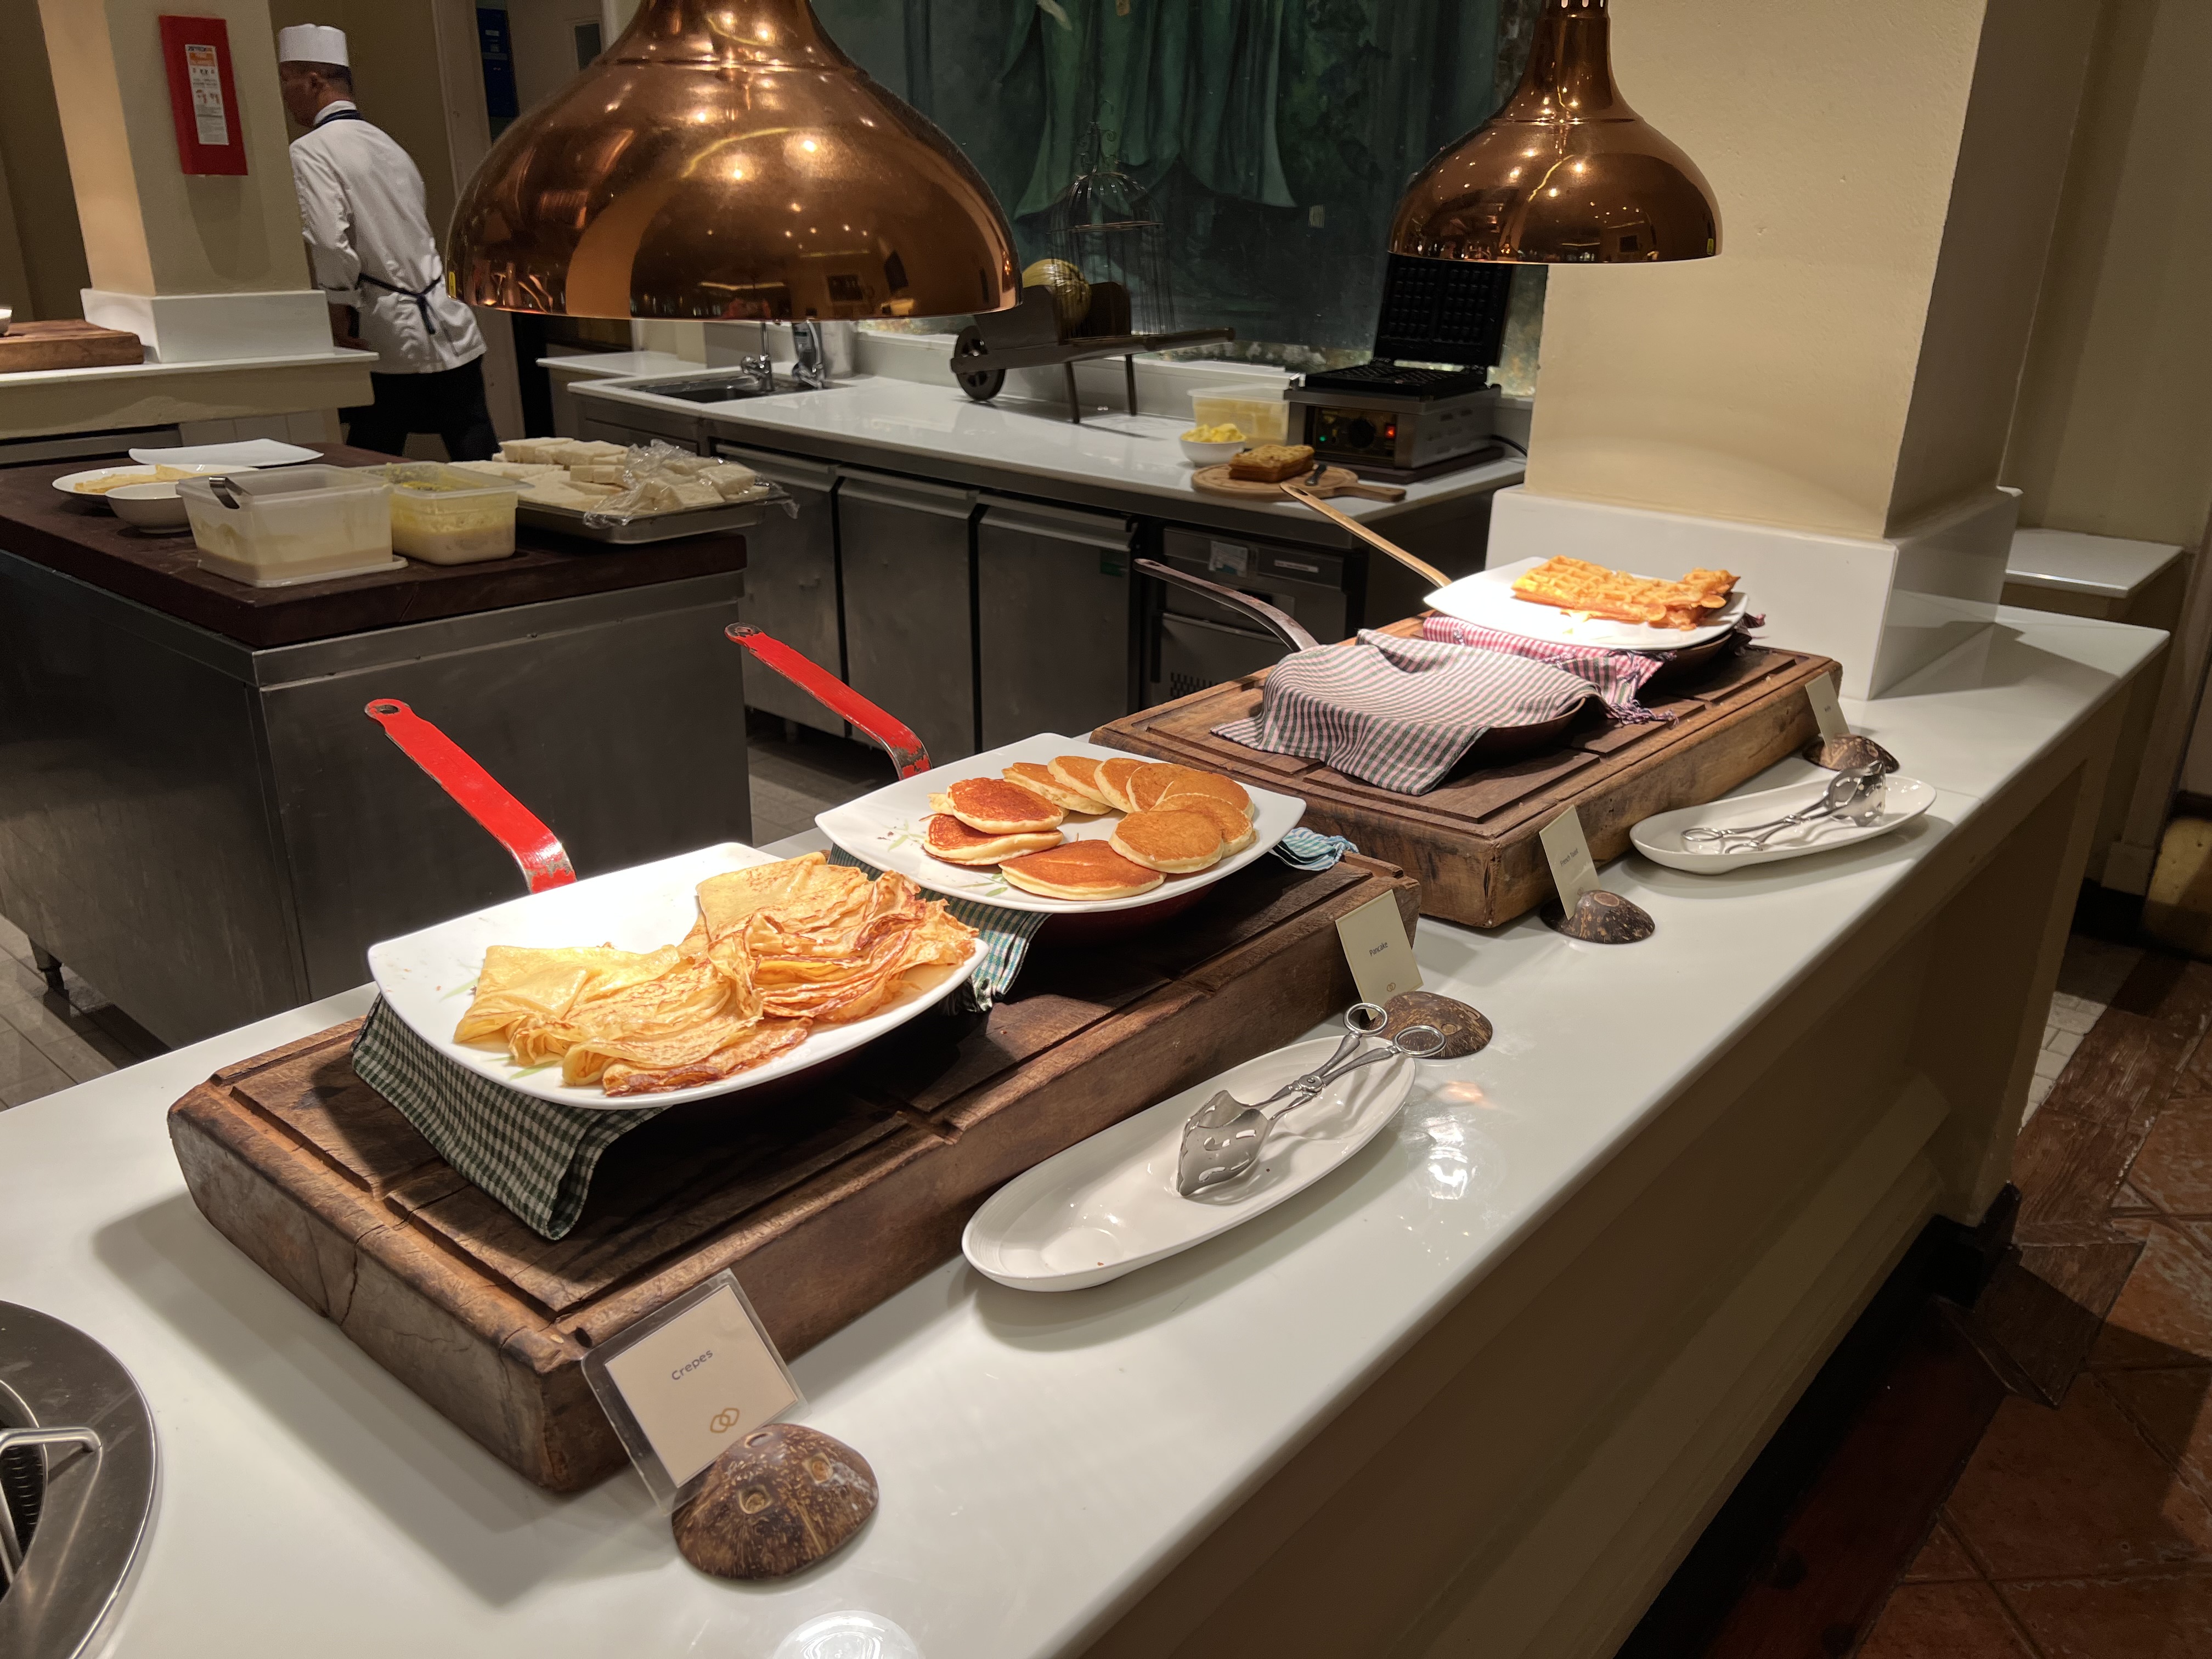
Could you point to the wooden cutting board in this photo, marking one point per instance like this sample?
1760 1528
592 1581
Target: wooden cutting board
66 344
827 1194
1472 840
1334 481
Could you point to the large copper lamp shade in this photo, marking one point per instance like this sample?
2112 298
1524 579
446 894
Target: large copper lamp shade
1565 174
723 159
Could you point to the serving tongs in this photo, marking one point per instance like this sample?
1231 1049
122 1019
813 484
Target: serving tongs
535 849
1224 1137
1853 796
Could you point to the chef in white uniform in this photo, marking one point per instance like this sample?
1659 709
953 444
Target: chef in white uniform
373 256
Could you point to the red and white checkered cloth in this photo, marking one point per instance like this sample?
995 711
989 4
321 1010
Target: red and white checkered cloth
1399 713
1615 675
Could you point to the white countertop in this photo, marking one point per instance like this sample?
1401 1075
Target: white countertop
37 377
622 365
918 427
2105 566
1042 1458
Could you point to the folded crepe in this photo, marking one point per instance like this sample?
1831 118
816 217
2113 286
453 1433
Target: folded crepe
777 949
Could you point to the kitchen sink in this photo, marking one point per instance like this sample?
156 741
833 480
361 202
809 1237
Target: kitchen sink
76 1484
720 388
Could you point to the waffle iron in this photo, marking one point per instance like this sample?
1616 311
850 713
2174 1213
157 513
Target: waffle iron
1425 404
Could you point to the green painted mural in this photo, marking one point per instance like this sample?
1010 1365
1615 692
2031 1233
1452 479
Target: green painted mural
1273 136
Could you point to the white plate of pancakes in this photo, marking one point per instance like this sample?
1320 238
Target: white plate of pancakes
1486 600
1050 825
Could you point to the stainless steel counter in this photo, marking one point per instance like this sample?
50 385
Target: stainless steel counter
210 832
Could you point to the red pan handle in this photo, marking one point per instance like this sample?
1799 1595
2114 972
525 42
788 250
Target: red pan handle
544 862
899 742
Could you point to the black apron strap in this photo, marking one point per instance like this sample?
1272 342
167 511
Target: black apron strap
421 304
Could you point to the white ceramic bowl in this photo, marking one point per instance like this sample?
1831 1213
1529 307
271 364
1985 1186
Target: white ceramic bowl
1215 454
150 506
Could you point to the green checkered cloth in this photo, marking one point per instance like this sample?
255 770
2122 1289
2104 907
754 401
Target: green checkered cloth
537 1156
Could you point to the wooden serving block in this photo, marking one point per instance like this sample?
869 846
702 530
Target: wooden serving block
1334 481
1471 841
68 344
827 1193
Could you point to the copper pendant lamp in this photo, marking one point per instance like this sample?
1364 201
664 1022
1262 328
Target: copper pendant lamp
723 159
1566 174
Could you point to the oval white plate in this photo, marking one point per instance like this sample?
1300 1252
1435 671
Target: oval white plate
68 482
1659 838
428 977
1486 600
886 829
1109 1205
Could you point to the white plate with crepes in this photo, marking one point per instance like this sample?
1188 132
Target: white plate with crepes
1108 1206
1486 600
430 978
886 829
72 484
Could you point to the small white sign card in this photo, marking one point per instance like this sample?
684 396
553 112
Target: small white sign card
1380 954
681 1383
1573 871
1827 712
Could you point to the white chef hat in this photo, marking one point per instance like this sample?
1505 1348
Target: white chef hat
311 43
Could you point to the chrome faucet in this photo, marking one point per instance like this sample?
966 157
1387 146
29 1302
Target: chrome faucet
760 367
810 358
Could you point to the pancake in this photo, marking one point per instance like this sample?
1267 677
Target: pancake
1114 776
1150 786
999 808
1238 831
1040 781
1177 843
1080 870
947 838
1189 780
1079 773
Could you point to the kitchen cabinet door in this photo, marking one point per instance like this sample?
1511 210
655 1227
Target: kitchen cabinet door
791 584
1054 644
909 600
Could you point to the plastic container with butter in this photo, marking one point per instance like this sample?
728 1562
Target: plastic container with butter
442 515
1256 408
294 523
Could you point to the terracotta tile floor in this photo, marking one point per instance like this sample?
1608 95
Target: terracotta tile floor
2083 1529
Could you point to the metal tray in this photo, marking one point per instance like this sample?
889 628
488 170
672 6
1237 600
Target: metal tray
740 514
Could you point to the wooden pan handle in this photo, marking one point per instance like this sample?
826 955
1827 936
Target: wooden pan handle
1300 493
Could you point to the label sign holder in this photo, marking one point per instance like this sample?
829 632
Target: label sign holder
682 1383
1585 910
1827 712
1376 950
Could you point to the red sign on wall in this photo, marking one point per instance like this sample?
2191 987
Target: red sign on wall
203 98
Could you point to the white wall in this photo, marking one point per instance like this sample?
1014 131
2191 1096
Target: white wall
545 44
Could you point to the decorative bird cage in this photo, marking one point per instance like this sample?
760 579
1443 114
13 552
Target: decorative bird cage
1105 225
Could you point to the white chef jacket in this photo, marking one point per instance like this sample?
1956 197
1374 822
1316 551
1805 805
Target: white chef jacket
361 210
